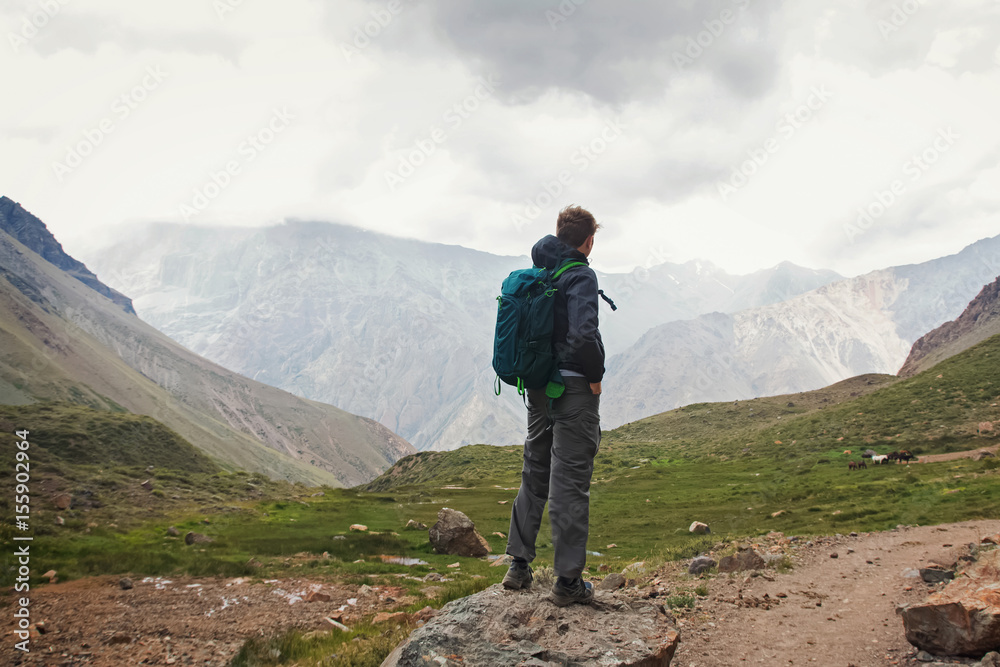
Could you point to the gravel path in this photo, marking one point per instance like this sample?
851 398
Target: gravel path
830 611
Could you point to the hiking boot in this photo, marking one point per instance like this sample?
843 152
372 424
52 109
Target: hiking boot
570 591
518 576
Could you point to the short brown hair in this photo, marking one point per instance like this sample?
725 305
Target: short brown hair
575 225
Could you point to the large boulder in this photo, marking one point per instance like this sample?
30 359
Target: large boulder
455 534
504 628
964 617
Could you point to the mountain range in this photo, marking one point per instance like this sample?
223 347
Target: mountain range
393 329
67 337
854 326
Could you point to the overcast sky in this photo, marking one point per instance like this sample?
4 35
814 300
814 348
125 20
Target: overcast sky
744 132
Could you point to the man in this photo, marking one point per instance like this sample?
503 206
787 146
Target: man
564 434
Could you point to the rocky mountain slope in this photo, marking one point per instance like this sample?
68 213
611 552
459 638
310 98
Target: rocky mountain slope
33 233
394 329
851 327
979 321
62 340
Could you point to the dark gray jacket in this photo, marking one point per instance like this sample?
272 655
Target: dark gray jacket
576 336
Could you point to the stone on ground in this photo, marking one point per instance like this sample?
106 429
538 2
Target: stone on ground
701 564
964 617
742 561
455 534
699 528
505 628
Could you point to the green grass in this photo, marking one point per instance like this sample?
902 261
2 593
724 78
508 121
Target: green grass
77 434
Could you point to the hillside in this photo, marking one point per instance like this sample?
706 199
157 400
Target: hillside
63 341
79 435
937 411
979 321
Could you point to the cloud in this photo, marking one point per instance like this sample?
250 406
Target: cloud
615 53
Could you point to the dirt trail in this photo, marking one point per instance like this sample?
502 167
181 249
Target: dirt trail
937 458
837 612
180 621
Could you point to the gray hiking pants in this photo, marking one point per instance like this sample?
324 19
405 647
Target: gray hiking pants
558 465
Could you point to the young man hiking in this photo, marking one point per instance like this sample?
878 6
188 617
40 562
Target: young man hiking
564 433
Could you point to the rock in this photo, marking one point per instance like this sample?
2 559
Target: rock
744 560
197 538
612 582
701 564
51 576
454 566
395 617
63 501
699 528
834 555
425 614
340 537
414 525
358 528
506 628
964 617
635 568
775 515
991 659
125 584
503 561
924 656
253 564
455 534
173 532
936 575
317 596
60 521
500 535
148 485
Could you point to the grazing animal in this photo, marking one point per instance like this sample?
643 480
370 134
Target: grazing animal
880 459
851 465
905 456
862 464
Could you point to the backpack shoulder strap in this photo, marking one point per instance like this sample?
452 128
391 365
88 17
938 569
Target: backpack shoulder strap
565 267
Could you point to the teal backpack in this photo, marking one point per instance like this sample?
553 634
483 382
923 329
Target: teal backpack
523 354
